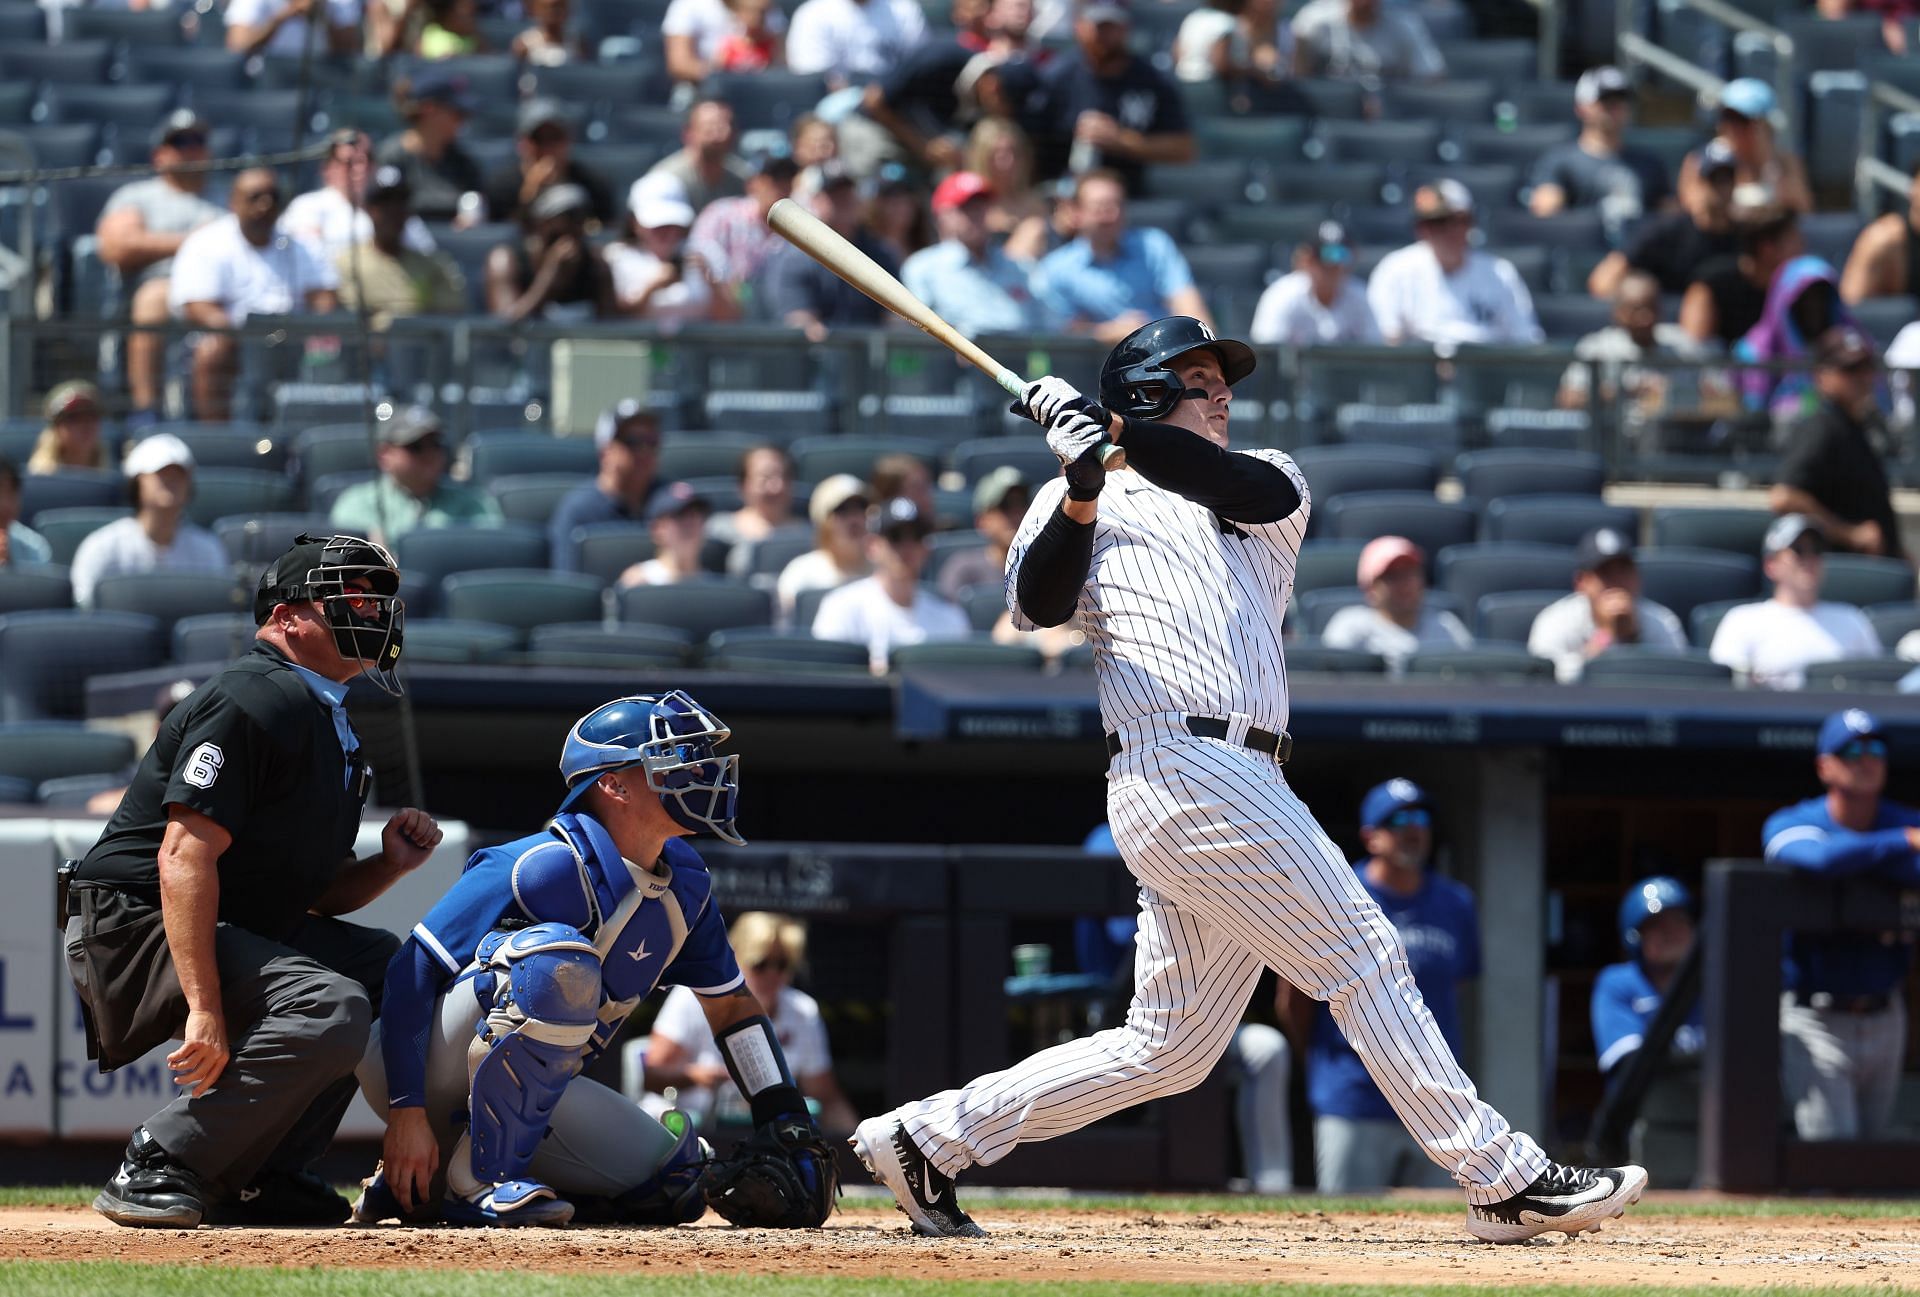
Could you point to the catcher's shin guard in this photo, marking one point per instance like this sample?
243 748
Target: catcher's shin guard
672 1195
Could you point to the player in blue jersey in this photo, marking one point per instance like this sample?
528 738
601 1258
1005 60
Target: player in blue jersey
524 971
1657 930
1843 1019
1360 1145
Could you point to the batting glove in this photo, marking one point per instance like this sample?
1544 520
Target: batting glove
1073 432
1045 398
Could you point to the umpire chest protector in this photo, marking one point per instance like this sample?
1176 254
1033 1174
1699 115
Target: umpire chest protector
255 751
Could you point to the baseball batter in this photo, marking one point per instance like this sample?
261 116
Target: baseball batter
1179 569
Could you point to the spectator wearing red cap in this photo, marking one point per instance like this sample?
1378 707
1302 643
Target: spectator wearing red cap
972 284
1396 621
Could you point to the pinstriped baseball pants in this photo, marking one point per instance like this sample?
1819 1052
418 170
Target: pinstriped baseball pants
1235 874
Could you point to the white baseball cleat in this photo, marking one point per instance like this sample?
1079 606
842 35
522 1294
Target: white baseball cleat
1571 1199
897 1164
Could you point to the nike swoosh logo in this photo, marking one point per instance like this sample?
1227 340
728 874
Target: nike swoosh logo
1581 1199
248 1195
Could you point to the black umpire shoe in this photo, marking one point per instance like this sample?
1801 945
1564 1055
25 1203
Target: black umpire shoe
1571 1199
151 1189
926 1196
282 1198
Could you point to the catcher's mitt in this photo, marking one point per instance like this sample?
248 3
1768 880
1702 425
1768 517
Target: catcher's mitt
780 1177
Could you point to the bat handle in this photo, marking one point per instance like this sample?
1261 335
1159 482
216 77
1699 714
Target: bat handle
1112 457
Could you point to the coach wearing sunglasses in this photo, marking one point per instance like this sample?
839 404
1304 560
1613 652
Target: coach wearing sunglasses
1359 1145
1843 1021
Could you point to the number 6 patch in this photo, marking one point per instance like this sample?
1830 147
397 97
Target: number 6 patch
203 767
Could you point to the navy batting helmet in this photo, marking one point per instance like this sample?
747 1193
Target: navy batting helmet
1649 897
1138 377
672 738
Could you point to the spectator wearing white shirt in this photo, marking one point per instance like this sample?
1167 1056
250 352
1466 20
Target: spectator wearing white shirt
891 608
279 27
19 543
1318 302
158 537
332 218
1770 644
969 282
838 511
1396 621
1441 291
238 266
696 30
1613 354
849 41
656 276
1606 609
1364 40
677 523
681 1052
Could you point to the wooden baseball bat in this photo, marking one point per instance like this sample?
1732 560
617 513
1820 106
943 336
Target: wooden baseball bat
814 237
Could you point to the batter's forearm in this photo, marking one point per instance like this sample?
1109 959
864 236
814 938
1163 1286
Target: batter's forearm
1239 488
1054 569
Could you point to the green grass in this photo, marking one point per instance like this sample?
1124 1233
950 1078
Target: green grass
118 1279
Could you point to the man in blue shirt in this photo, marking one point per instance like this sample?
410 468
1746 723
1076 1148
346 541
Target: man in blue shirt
1360 1146
1656 927
628 438
973 285
1113 280
1843 1022
1111 106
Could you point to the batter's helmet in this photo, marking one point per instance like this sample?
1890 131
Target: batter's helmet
368 622
1649 897
1138 377
672 738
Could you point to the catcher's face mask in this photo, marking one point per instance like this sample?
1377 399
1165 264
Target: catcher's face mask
672 738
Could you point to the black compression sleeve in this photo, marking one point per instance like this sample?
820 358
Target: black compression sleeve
1239 488
1054 570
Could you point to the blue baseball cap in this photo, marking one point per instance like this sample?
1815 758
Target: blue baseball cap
1842 728
1747 96
1330 244
1383 800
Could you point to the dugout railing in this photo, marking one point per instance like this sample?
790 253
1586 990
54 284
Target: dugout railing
1747 1143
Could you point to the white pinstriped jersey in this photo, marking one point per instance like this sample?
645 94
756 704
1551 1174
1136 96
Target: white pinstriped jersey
1182 609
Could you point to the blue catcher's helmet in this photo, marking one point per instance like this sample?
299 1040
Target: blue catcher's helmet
672 738
1650 896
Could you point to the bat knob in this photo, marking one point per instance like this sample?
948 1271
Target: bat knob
1113 457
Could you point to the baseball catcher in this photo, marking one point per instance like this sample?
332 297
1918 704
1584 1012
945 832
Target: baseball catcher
523 972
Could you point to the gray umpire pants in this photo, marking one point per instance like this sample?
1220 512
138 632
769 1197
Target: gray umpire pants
298 1014
599 1142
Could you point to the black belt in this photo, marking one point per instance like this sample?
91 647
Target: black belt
1843 1003
1265 742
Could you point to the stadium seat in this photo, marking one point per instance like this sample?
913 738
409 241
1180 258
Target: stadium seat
256 539
1705 619
429 555
1338 470
224 492
1737 531
133 28
1682 579
502 454
968 654
333 448
1866 579
64 529
1486 379
72 489
1431 427
1213 183
975 458
36 751
1389 143
1894 621
597 88
168 596
521 597
1520 146
766 99
212 636
762 649
22 24
1326 564
74 792
1569 317
34 587
984 605
197 67
762 561
1438 101
1308 658
1345 183
457 643
1487 475
77 145
1554 519
226 445
593 644
532 497
16 103
1283 224
1493 662
606 549
1869 674
817 458
1429 523
1319 98
703 454
74 206
1261 140
699 607
1506 617
1535 103
1634 667
81 63
1492 184
47 656
1470 572
1501 61
770 413
1579 228
128 108
1316 608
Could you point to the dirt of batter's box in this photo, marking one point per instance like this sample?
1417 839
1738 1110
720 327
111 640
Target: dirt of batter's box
1329 1247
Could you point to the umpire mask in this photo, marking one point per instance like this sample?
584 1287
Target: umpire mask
368 620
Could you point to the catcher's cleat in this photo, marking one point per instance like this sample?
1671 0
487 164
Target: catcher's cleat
1571 1199
513 1202
151 1190
897 1164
